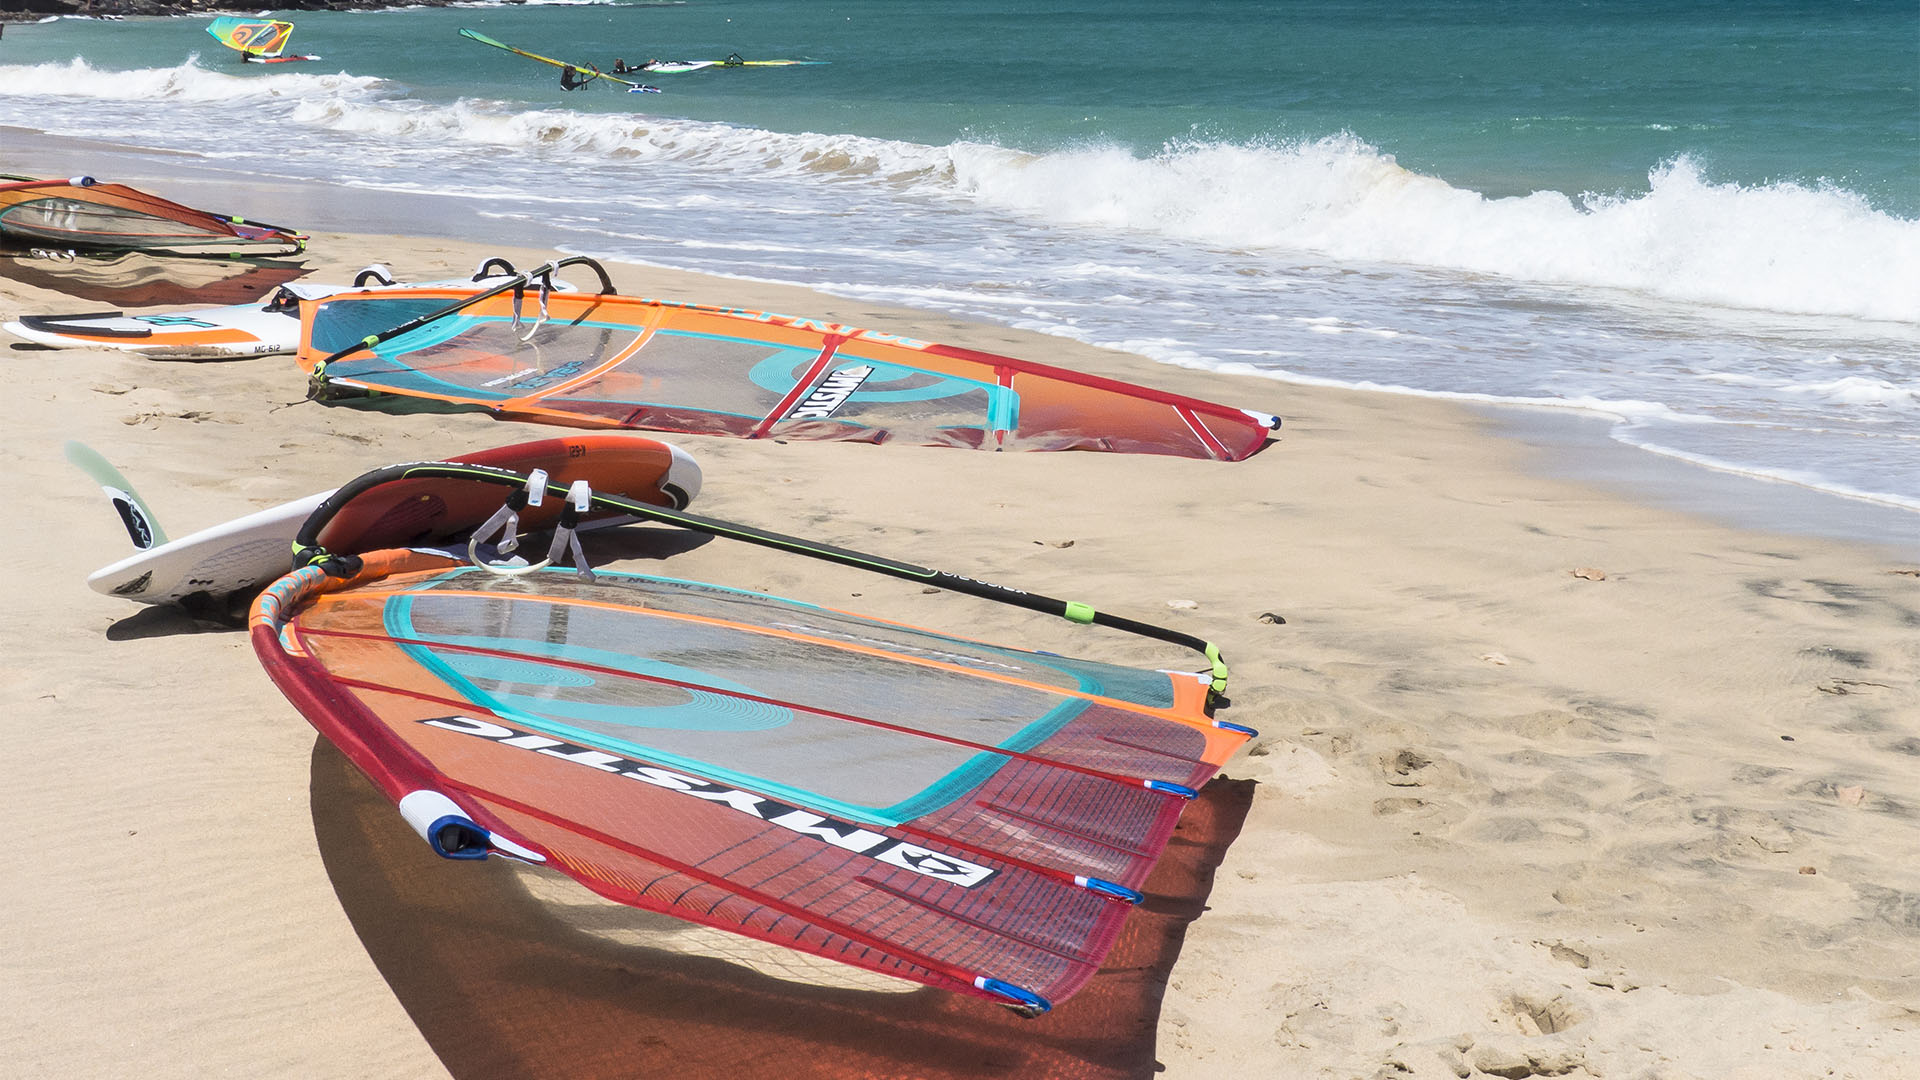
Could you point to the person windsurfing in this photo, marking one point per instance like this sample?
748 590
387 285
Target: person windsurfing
620 67
571 77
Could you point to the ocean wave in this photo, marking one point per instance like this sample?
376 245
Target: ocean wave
1776 247
1649 439
1780 247
189 83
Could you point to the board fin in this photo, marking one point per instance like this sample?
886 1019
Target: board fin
142 527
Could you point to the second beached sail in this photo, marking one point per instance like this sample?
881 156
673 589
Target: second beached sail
84 215
605 360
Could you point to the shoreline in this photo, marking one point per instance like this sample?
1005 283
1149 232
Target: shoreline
1567 442
1652 819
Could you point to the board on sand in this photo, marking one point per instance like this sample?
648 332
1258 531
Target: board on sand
586 73
250 551
221 333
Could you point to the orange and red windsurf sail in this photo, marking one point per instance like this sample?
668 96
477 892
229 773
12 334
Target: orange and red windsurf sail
605 360
954 813
84 215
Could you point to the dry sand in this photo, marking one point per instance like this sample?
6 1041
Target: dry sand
1511 819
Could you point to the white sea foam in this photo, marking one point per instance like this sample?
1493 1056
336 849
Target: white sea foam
1860 390
1648 439
1778 247
189 83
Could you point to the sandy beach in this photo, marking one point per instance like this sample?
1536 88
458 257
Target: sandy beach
1551 781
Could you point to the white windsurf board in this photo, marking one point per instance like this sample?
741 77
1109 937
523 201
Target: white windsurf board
250 551
221 333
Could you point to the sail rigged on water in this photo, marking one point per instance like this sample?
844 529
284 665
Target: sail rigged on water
572 76
616 361
262 37
82 214
968 816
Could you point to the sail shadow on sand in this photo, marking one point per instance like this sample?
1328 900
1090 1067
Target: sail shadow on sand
503 981
138 280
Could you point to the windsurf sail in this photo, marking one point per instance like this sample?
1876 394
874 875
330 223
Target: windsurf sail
572 76
615 361
255 37
82 214
954 813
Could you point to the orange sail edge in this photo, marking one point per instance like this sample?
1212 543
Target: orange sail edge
756 795
618 361
84 215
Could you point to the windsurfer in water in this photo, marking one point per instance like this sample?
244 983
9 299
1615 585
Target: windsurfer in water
571 78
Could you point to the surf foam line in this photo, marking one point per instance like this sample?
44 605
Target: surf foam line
1633 423
188 83
1802 249
1817 250
1647 439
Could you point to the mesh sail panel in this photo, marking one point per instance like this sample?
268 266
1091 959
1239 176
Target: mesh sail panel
114 216
703 371
905 801
83 221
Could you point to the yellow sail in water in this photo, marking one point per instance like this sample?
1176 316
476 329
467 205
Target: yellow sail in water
262 37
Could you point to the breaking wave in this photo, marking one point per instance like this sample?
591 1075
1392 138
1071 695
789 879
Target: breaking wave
1781 247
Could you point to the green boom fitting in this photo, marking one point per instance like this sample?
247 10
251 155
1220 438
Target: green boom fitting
1219 668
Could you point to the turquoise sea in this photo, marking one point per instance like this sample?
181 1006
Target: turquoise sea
1699 221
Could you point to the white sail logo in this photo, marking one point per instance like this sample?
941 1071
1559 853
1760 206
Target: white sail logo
845 835
832 393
